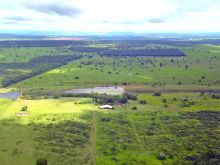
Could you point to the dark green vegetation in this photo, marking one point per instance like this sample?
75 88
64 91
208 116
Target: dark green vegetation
66 139
32 68
98 65
169 112
139 137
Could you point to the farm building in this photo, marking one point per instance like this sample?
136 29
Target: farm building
106 107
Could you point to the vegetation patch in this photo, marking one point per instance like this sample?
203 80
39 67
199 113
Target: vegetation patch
37 66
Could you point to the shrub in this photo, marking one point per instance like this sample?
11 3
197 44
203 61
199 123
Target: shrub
164 100
124 83
171 155
157 94
184 104
24 108
161 156
45 97
105 119
143 102
134 108
130 97
56 96
215 96
179 83
123 100
41 161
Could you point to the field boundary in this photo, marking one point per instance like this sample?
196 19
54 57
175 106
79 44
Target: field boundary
168 89
93 139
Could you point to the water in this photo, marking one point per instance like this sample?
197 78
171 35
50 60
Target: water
11 95
110 90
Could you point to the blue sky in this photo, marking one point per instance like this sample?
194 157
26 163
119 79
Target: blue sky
110 15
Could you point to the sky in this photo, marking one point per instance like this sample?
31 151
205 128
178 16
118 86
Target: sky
139 16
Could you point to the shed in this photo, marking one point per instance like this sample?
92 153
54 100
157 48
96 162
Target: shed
106 107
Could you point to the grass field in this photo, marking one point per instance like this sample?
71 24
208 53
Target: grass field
9 55
195 69
199 67
179 126
59 132
75 131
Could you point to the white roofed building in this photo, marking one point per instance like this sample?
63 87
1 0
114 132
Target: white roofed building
106 107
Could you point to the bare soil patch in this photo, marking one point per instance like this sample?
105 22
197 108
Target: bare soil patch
22 114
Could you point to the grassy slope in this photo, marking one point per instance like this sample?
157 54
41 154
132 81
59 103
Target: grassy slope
202 61
17 55
129 136
138 136
41 133
8 55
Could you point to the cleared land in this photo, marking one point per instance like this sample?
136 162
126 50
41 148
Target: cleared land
169 113
200 67
71 130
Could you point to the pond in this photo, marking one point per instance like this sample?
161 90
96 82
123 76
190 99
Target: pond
11 95
110 90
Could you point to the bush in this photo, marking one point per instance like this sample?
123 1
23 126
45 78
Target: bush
134 108
161 156
171 155
108 99
143 102
41 161
123 100
24 108
215 97
124 83
56 96
157 94
164 100
130 97
105 119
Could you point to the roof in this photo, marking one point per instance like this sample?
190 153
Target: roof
106 107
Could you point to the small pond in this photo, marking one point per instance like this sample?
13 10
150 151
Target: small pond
11 95
110 90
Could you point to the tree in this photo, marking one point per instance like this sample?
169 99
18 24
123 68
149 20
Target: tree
161 156
123 100
134 108
143 102
130 96
41 161
157 94
24 108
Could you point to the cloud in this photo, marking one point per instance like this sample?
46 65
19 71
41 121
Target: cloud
59 9
157 20
111 15
17 18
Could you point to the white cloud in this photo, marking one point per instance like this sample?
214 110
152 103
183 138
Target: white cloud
111 15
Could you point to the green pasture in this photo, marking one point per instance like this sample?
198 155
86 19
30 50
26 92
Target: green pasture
174 128
9 55
199 67
76 131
